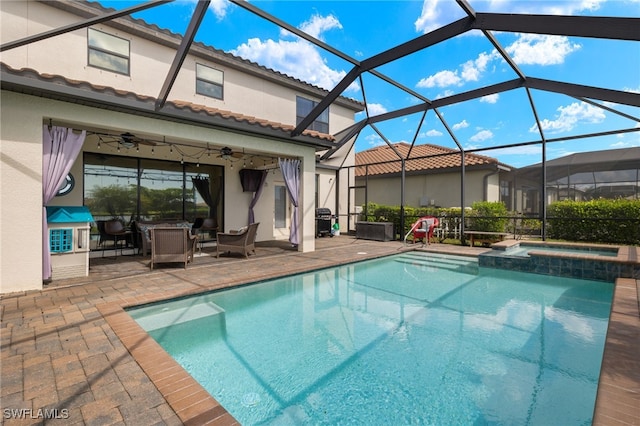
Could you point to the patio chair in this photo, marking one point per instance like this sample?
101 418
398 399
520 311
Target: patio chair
241 241
171 245
423 228
115 230
104 237
202 226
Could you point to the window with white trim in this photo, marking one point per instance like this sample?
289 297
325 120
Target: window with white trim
304 107
108 52
209 81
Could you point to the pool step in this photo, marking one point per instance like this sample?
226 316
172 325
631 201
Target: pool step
459 263
155 317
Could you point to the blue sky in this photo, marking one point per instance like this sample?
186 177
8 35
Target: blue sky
362 28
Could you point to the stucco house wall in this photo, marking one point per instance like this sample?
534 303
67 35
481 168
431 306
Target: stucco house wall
249 90
441 190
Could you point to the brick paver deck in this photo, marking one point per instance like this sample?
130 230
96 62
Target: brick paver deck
71 352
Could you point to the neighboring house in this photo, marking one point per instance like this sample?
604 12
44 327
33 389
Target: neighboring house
432 176
106 79
613 173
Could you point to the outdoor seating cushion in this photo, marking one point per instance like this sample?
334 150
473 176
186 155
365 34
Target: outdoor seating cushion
145 234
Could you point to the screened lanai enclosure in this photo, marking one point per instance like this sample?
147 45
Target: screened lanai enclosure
530 189
597 171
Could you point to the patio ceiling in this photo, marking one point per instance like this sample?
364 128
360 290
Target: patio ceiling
608 28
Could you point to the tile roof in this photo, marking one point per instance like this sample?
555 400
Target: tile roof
231 118
382 160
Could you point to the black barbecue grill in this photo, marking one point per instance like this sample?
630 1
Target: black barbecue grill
323 222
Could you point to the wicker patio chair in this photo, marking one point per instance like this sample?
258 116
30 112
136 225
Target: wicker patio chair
171 245
202 226
241 241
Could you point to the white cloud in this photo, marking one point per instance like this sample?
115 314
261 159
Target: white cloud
471 70
374 139
440 79
547 7
461 125
536 49
482 135
297 58
433 133
376 109
319 24
445 94
490 99
435 14
219 8
570 116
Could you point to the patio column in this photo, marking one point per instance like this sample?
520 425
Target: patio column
306 204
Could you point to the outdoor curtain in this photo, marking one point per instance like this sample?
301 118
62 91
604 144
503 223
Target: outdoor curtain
60 148
256 196
291 174
203 187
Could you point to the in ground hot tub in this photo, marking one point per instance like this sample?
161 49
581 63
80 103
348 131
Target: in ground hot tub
584 261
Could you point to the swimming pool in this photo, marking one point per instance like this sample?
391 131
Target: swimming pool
413 338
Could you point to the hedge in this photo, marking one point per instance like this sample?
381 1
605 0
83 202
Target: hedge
598 221
602 220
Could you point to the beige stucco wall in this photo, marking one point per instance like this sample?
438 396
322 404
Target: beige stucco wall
149 64
21 169
444 189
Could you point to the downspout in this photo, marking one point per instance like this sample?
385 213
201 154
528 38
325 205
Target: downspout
485 179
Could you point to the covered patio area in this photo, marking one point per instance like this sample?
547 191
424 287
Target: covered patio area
72 348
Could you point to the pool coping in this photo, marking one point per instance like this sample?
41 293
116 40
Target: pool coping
616 395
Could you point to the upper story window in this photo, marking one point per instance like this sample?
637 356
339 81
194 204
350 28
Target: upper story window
304 107
108 52
209 81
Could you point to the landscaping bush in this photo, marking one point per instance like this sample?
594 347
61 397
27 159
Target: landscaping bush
602 220
488 216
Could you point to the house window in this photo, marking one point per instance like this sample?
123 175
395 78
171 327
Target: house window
304 107
108 52
61 240
209 81
280 206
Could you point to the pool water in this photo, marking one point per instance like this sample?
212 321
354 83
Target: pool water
409 339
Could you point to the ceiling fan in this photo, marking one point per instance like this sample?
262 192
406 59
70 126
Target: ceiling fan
227 153
129 140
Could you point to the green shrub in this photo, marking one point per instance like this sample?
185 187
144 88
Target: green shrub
488 216
602 220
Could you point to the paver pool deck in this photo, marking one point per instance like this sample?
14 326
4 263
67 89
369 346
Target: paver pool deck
71 352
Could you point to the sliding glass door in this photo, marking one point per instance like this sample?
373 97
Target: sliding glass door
147 189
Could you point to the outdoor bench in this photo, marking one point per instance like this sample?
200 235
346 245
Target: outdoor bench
485 236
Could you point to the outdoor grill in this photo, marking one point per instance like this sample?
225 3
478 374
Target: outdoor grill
323 222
